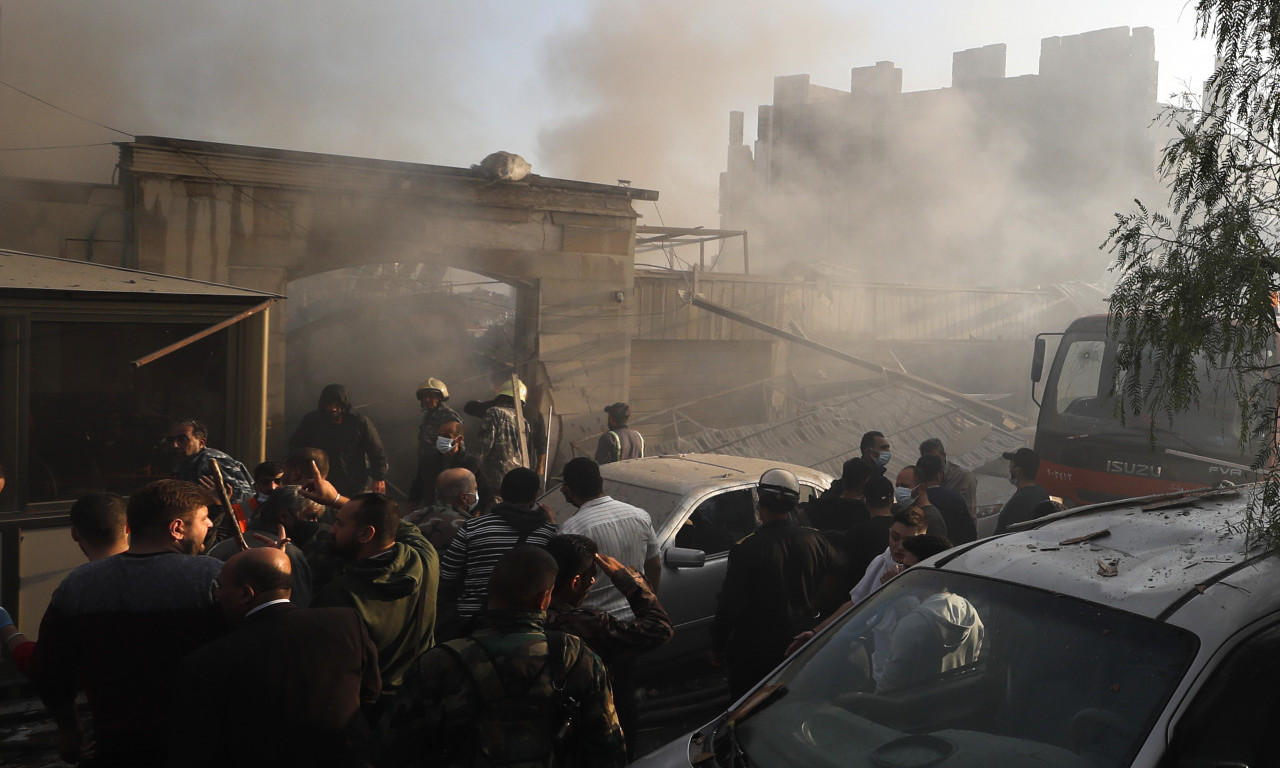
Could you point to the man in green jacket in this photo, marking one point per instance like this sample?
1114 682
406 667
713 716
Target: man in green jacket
391 583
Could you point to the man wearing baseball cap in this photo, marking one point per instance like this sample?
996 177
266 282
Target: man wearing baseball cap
620 442
1023 466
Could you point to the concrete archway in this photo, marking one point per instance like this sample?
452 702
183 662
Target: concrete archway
259 218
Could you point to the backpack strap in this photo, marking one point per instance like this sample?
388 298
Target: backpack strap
471 655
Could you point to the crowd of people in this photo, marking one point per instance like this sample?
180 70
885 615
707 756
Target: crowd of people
295 615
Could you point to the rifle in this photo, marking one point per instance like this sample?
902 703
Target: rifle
226 505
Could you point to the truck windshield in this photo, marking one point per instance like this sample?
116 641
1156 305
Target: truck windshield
1078 403
966 671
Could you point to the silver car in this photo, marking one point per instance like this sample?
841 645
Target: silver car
1138 633
701 504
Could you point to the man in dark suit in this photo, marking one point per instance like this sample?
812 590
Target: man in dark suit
286 686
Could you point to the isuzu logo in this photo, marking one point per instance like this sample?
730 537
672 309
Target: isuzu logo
1131 468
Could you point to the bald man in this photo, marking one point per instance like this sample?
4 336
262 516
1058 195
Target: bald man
286 686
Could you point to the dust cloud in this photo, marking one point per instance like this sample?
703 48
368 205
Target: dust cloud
643 89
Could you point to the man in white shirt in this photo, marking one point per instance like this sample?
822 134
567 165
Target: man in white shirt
907 523
619 530
626 534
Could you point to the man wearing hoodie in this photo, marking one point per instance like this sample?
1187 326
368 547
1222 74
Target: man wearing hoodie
391 584
356 456
942 633
481 541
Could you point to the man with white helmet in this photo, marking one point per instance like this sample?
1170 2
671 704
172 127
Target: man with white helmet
499 447
771 586
432 395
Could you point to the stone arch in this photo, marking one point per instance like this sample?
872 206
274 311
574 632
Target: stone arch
260 218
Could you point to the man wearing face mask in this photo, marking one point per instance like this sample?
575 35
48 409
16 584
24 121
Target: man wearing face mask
451 453
874 450
1024 464
432 395
457 501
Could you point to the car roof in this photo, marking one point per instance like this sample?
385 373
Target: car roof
687 472
1167 551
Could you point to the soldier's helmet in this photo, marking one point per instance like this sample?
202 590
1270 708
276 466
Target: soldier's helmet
505 389
431 385
779 484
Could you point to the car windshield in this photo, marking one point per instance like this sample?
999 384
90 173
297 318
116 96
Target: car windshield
940 668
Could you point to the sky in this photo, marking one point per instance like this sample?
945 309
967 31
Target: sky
597 91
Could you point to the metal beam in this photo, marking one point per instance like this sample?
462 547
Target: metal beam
193 338
1008 419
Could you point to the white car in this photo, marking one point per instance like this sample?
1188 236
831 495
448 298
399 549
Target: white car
1135 633
701 504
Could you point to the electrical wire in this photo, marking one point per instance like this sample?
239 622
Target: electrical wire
51 105
57 146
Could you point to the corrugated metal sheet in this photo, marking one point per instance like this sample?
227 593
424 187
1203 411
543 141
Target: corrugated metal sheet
30 272
824 437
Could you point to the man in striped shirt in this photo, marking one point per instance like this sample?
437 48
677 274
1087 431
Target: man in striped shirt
481 541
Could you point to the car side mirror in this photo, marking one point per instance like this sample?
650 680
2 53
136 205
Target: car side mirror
680 557
1037 359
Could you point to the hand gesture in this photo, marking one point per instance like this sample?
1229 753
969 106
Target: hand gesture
377 486
612 567
890 572
211 486
278 542
318 489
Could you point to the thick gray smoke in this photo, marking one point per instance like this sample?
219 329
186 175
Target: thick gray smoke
645 87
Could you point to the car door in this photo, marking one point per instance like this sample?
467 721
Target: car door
1230 720
711 523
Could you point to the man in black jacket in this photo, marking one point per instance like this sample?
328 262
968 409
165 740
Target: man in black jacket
286 686
770 589
356 456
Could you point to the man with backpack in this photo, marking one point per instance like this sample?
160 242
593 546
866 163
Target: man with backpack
512 693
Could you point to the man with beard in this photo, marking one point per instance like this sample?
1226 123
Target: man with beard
392 585
188 444
117 627
432 395
356 456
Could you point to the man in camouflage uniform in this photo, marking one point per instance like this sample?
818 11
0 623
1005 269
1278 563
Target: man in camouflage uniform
431 395
618 641
504 696
500 438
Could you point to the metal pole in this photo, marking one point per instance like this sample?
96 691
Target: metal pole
193 338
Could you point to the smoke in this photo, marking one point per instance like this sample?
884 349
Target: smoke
644 89
393 79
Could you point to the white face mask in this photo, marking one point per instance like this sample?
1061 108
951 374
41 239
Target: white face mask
903 496
444 444
474 503
883 458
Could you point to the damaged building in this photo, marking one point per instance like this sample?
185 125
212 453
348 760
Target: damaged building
995 180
